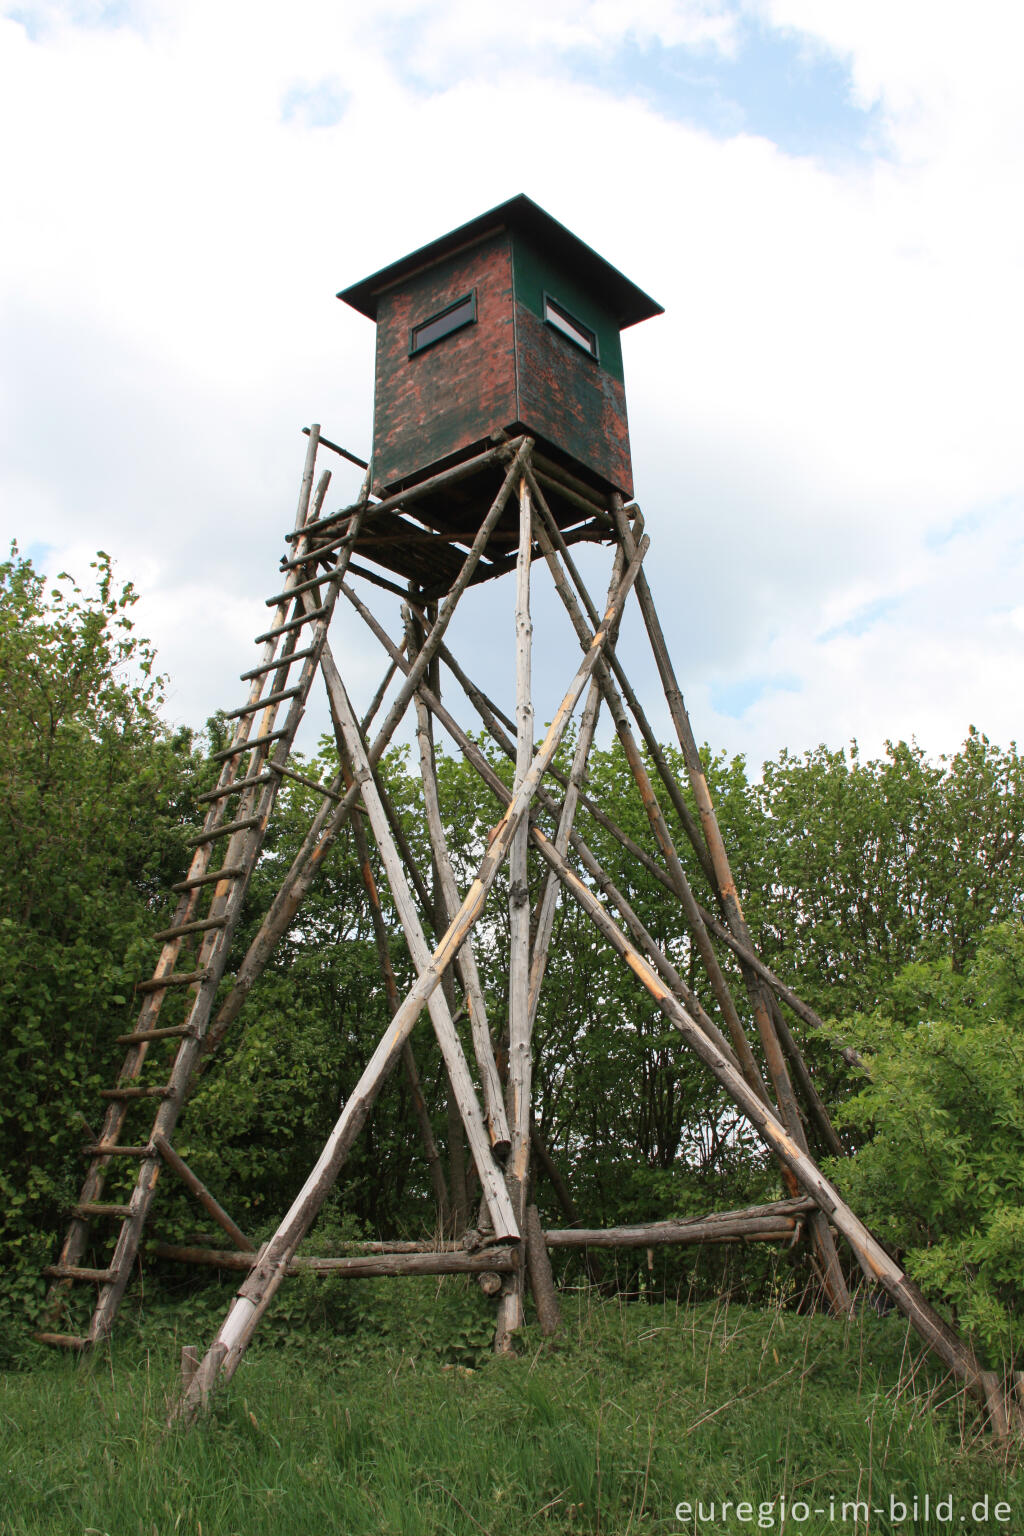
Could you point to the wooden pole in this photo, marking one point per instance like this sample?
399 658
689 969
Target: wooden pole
751 1229
192 1182
656 817
871 1255
566 817
483 1048
651 741
520 1050
221 1360
491 718
505 1223
812 1098
869 1252
445 1262
338 523
542 1282
412 1076
331 816
831 1271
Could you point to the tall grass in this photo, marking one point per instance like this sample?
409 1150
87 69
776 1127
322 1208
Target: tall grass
637 1409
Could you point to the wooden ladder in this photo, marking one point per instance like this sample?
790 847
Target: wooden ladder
207 915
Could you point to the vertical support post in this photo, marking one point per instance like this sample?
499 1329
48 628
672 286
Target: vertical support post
222 1358
447 1036
520 1054
483 1049
380 935
584 741
549 536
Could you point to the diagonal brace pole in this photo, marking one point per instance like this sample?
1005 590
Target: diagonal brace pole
491 1181
252 1300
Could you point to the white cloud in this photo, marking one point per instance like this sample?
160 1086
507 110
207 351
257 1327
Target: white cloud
834 386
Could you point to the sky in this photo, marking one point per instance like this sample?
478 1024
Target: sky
825 195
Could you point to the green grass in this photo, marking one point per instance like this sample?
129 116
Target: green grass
636 1409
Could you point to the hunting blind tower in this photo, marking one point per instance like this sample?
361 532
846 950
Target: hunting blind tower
499 442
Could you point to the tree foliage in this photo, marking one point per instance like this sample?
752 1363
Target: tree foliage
850 871
94 808
941 1170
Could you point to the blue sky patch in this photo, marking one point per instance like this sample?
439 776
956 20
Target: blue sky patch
107 15
39 554
321 104
775 86
734 699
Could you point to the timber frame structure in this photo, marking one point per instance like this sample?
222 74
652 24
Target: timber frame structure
185 1014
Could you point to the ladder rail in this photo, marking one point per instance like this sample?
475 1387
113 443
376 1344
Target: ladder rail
215 931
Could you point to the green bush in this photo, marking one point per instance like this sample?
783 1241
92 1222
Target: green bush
941 1174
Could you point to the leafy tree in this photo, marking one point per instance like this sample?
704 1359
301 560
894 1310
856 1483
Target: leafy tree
94 801
941 1171
857 868
849 870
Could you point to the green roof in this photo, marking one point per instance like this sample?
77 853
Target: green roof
623 299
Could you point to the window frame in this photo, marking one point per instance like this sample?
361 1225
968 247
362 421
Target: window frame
570 320
469 319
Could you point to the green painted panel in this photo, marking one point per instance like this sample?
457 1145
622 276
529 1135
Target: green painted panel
534 274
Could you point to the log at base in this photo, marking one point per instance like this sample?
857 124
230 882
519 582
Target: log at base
501 1260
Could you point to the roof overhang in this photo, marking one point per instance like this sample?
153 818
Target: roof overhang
628 303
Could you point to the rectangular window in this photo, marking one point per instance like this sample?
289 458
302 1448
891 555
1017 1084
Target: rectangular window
576 331
462 312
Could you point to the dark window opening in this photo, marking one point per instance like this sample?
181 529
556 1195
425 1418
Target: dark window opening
462 312
576 331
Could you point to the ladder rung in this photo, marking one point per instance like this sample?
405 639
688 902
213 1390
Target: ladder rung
229 872
137 1036
234 788
77 1272
275 666
224 831
199 926
137 1093
62 1340
173 979
247 746
271 698
97 1208
114 1149
283 629
304 586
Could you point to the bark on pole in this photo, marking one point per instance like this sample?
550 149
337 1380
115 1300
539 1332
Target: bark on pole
436 1262
936 1333
566 817
542 1283
483 1048
831 1272
491 718
871 1255
412 1076
830 1269
655 816
330 818
221 1360
208 1201
505 1224
520 1051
